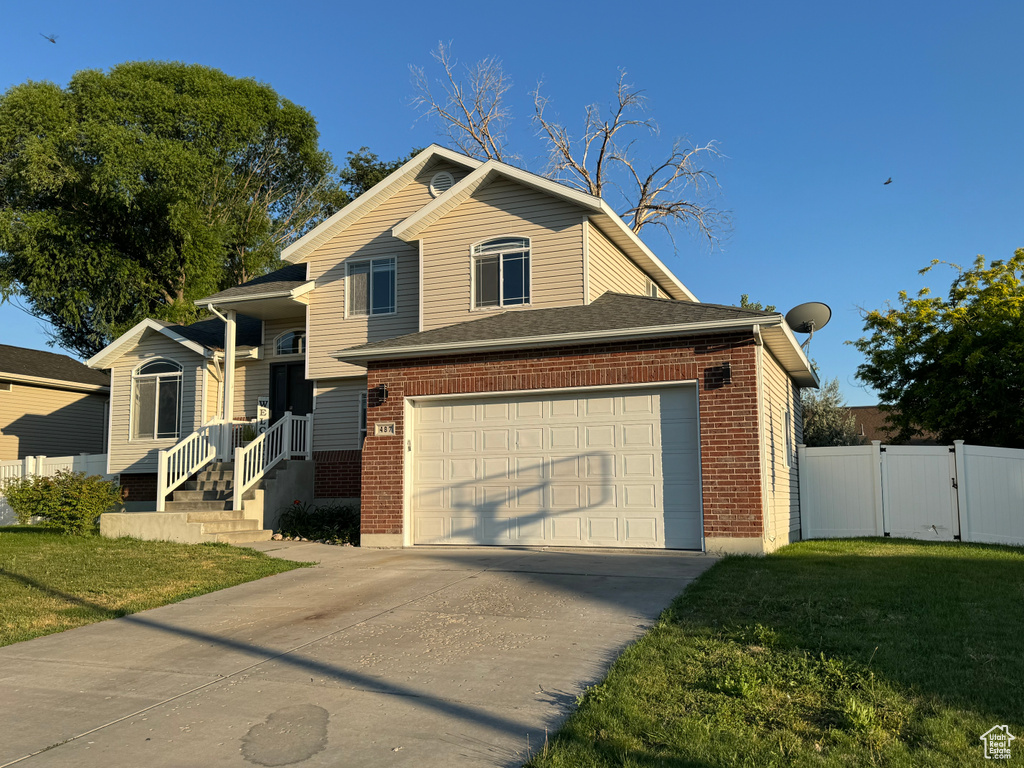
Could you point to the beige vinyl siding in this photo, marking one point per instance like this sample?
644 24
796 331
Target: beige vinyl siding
214 374
778 395
370 237
127 455
41 421
611 270
336 417
503 208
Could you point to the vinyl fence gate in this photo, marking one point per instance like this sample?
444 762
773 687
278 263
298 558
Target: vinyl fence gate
942 493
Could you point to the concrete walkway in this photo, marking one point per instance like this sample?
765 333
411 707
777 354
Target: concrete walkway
419 657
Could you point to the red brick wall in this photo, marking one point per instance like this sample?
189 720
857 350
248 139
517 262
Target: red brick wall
337 474
724 367
141 486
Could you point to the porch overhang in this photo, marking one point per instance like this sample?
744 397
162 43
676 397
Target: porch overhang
272 305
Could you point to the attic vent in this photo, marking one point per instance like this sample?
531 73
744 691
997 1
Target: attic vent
5 386
441 182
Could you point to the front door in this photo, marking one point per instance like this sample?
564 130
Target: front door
289 390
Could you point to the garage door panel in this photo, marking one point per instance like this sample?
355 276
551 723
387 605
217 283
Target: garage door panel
599 465
599 468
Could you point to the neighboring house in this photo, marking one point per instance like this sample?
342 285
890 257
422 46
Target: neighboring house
50 405
488 357
871 425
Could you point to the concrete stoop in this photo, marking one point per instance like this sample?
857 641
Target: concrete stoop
201 509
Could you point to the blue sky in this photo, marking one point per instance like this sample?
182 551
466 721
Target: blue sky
814 104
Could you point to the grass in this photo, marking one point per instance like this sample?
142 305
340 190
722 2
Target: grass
827 653
50 582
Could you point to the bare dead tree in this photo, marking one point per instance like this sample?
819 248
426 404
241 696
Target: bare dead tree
677 190
474 114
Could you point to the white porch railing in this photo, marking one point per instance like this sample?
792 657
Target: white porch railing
178 464
291 435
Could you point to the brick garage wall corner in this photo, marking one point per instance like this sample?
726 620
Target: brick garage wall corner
337 474
724 367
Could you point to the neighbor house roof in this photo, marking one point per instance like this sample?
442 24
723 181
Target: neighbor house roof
288 281
872 425
613 316
599 212
34 366
204 337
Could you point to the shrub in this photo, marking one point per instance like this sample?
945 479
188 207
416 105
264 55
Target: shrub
70 502
332 523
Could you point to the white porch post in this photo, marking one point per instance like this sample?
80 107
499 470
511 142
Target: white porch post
229 383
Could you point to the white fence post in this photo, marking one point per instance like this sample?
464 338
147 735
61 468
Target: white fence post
309 436
879 465
962 512
805 522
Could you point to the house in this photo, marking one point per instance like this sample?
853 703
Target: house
50 405
478 355
872 424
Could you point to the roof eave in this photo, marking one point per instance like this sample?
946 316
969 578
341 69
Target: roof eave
547 340
78 386
293 293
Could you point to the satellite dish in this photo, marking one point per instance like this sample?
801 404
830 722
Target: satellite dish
808 318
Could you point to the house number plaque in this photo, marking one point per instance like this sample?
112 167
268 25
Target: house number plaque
384 428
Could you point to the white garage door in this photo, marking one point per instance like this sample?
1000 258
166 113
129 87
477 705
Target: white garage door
609 468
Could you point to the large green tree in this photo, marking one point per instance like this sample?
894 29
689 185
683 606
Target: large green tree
133 192
953 365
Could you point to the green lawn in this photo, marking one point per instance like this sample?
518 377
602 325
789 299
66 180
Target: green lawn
826 653
50 582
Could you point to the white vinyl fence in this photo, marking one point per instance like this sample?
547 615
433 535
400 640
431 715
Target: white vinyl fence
965 492
91 464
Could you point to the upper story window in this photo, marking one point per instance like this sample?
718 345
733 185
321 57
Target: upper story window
156 400
372 287
652 289
290 343
501 272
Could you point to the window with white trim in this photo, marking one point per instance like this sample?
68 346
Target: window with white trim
372 287
363 397
156 400
290 343
652 289
501 272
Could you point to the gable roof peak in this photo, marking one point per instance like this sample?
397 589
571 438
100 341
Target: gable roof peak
370 199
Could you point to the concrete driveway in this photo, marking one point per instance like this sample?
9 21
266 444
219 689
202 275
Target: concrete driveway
419 657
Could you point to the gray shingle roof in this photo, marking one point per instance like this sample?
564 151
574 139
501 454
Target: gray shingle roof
611 312
48 365
284 279
210 333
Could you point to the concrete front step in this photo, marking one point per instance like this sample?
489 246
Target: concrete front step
189 494
197 506
215 516
242 537
228 526
206 485
224 474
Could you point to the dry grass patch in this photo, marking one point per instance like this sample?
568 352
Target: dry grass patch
50 582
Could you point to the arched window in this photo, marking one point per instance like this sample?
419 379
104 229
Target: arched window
501 272
290 343
156 400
